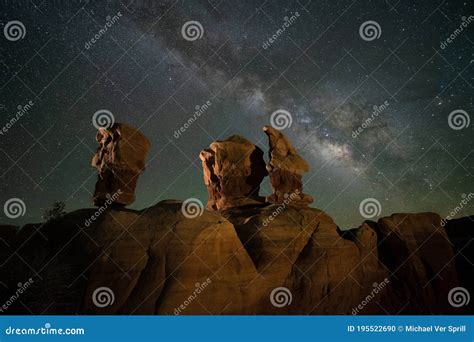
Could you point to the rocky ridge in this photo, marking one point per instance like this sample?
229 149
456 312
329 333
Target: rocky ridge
154 261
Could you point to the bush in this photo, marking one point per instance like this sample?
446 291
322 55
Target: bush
57 211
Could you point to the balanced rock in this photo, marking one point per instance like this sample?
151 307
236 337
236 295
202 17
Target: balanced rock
120 159
285 168
233 170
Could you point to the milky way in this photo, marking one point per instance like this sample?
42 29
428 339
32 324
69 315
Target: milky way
368 110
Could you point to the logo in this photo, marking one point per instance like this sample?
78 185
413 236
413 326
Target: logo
14 208
280 297
370 30
192 208
14 30
103 118
459 296
192 30
103 296
281 119
370 208
458 119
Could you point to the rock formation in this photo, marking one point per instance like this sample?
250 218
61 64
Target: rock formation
285 169
461 235
421 256
157 261
233 170
243 256
119 160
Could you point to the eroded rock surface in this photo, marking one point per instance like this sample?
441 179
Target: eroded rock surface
233 170
285 169
422 251
120 159
461 235
157 261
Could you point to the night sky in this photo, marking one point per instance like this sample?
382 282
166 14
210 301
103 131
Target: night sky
319 68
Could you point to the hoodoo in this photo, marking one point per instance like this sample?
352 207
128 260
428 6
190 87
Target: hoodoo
120 159
233 170
285 168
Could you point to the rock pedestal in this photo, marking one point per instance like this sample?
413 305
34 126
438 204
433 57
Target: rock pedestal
285 170
233 170
120 159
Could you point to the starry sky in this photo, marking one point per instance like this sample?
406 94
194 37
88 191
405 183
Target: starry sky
321 68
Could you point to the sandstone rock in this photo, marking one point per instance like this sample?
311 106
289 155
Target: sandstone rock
119 160
157 261
233 170
285 170
461 234
242 256
417 251
372 278
300 249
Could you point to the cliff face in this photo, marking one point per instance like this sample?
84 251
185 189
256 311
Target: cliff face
250 260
